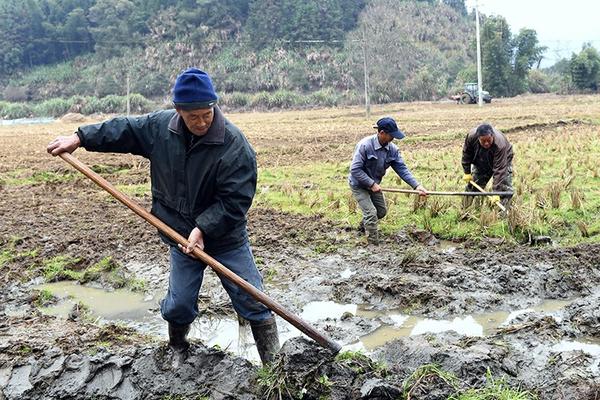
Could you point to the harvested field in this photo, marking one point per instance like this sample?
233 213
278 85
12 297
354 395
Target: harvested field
451 302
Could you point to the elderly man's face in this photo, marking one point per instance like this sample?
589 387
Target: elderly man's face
198 121
486 141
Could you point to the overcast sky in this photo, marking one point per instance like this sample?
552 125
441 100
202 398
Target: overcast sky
561 25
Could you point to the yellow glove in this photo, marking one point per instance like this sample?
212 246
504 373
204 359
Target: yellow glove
495 199
467 178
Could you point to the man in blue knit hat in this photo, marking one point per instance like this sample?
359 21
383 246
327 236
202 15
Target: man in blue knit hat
203 173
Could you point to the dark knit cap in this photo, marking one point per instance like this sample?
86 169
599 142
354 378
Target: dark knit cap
194 89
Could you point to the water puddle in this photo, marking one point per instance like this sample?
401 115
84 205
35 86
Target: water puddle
24 121
447 246
119 304
396 325
319 310
142 313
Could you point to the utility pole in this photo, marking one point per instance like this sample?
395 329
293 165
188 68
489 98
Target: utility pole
366 72
128 103
479 83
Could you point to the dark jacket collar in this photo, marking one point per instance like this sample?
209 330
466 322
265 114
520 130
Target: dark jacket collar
215 134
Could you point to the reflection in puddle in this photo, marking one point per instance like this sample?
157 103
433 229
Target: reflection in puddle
318 310
142 314
470 325
114 305
401 325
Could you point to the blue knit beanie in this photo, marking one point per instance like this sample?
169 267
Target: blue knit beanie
193 89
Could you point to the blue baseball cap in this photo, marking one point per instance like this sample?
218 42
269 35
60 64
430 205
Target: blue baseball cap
388 125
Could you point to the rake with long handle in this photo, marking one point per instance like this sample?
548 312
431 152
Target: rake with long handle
214 264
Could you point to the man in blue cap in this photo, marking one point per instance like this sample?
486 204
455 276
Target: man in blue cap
203 173
372 156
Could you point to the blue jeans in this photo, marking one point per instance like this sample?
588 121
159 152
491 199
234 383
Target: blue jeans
180 305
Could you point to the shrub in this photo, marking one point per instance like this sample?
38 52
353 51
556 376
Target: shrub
260 99
324 97
16 110
17 93
283 99
236 99
91 105
112 104
140 104
52 108
538 81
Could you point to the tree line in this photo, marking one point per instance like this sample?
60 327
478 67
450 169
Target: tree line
271 51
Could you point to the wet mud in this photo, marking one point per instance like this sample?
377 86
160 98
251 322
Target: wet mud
554 353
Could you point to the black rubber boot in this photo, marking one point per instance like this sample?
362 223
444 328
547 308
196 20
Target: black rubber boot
266 339
373 235
177 337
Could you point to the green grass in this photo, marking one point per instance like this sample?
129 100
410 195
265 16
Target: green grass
61 268
22 177
137 190
423 374
562 164
8 253
44 298
495 389
360 363
106 270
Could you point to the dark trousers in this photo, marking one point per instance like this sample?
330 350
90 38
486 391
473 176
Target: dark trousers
180 305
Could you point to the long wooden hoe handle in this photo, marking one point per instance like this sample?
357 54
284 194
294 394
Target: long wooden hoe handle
433 193
214 264
476 186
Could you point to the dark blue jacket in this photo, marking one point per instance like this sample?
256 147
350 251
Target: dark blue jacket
209 185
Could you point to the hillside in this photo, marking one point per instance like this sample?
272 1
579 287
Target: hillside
86 56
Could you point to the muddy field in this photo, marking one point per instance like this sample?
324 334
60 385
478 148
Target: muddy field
435 318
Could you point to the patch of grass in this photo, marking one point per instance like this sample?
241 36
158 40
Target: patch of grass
360 363
106 271
60 268
137 190
272 381
25 350
43 298
22 177
425 374
495 389
9 253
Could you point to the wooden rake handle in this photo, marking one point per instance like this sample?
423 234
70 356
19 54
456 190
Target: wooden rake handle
476 186
214 264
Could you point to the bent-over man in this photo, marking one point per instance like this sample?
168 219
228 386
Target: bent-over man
487 153
203 174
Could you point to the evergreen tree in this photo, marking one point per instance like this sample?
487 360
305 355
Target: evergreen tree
496 55
585 68
527 53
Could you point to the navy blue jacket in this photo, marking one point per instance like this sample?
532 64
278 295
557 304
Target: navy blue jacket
209 185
